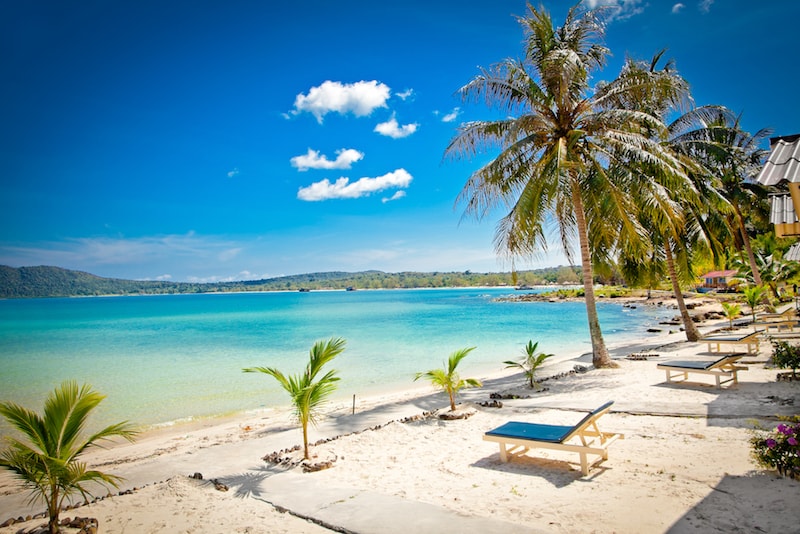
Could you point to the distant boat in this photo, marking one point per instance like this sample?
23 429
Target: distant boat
350 288
303 290
523 288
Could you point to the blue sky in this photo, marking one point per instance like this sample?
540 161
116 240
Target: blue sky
224 140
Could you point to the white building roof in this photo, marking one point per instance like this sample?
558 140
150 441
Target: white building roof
783 163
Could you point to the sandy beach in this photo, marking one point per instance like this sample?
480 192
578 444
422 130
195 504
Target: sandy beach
684 464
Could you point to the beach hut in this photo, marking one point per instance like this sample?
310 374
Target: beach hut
717 280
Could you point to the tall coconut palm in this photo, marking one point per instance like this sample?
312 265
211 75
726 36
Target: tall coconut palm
307 394
667 201
735 157
558 149
49 462
448 379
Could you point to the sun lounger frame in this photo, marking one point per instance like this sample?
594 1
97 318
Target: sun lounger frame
587 439
750 340
788 324
723 368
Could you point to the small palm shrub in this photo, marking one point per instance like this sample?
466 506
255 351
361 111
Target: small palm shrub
732 311
530 363
754 295
49 463
308 394
779 449
447 379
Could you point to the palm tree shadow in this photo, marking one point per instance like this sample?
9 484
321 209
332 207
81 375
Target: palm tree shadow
248 484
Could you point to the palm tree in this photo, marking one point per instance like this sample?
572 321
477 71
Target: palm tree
559 155
447 379
532 361
753 296
736 157
307 394
49 463
732 311
773 268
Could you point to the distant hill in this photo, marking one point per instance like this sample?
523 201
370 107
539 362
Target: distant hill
43 281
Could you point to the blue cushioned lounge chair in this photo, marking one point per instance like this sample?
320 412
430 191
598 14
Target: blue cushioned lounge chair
725 367
585 438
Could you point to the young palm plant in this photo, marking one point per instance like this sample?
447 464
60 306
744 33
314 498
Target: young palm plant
532 361
447 379
753 296
308 394
49 463
732 311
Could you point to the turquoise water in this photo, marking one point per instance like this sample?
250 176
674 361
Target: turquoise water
161 359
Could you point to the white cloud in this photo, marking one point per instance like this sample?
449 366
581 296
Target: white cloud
453 115
312 159
343 188
677 8
405 94
359 98
392 129
397 195
233 173
705 5
619 9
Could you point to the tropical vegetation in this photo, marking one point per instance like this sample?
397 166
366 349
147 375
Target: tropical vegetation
447 379
643 199
530 363
779 449
307 392
566 153
785 355
48 460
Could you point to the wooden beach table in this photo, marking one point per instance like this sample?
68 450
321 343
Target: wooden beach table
750 340
724 367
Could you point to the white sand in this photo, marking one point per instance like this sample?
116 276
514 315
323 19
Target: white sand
684 465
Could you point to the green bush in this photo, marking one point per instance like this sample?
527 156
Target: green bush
785 355
780 448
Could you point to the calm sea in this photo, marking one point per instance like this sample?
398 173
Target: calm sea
161 359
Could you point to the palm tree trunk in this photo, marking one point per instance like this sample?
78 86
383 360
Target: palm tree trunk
600 356
692 334
305 441
53 506
746 242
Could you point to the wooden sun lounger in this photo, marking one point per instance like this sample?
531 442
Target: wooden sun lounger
723 368
586 438
788 313
751 340
787 324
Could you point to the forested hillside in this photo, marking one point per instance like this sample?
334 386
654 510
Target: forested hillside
32 282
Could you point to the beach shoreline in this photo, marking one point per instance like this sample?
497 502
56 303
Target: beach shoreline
684 446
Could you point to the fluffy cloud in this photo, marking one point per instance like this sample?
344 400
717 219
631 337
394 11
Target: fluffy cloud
359 98
406 94
397 195
233 173
453 115
342 188
312 159
705 5
392 129
619 9
677 8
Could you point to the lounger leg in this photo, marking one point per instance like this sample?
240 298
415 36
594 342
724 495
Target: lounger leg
584 464
503 453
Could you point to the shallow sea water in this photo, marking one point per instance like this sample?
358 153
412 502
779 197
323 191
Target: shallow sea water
161 359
